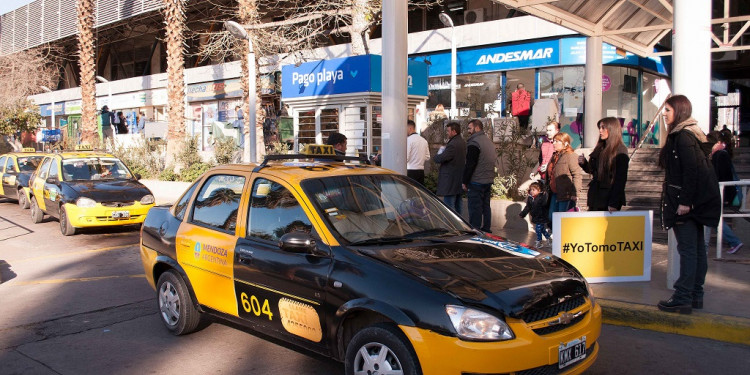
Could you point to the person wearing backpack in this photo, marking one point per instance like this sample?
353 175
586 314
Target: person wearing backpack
690 200
121 123
721 159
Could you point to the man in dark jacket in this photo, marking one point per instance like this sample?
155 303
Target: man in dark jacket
452 159
479 175
107 118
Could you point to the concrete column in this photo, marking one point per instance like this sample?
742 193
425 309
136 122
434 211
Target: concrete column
691 44
394 85
593 91
691 76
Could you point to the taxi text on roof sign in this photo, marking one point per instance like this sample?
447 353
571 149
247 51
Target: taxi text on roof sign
29 149
84 148
318 150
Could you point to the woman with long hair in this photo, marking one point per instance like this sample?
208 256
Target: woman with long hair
608 166
564 174
690 201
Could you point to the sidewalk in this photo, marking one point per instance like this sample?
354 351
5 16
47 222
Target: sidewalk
725 317
726 312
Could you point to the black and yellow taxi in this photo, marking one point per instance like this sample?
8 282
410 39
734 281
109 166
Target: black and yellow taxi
15 170
87 188
365 266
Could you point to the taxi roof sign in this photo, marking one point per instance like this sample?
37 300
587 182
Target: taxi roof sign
318 150
84 148
29 149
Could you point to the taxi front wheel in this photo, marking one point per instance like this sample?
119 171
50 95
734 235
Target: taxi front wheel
22 201
36 214
176 308
381 349
66 228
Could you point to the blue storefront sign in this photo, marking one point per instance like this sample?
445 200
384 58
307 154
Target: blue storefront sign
345 76
566 51
46 109
51 135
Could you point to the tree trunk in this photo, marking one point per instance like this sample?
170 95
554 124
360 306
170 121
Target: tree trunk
174 19
85 12
361 10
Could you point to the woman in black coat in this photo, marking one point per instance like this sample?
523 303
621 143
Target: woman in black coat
690 201
608 166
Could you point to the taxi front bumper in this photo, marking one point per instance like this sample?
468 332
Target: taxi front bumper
102 216
439 354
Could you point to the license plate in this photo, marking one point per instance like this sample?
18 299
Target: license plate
571 352
120 214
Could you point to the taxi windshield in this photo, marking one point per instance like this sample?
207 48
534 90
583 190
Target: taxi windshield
29 163
375 209
84 169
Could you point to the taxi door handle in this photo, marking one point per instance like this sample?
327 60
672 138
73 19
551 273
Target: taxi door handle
244 256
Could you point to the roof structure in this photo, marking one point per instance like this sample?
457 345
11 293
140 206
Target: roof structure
633 25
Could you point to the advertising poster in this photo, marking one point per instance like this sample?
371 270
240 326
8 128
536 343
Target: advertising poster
605 247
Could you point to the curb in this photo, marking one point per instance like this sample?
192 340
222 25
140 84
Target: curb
698 324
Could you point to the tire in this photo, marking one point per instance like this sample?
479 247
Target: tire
66 228
399 358
36 213
176 307
22 201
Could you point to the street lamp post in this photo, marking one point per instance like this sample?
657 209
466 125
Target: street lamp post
249 153
448 22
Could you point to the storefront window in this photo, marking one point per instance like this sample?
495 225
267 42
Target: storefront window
620 100
515 77
477 95
655 90
306 132
355 119
566 85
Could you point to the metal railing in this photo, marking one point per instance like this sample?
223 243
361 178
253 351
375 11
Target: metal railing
743 210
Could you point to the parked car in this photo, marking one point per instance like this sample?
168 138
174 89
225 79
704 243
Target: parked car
361 264
15 170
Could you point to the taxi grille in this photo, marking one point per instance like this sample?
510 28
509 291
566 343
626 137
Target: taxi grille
117 204
558 327
552 369
553 310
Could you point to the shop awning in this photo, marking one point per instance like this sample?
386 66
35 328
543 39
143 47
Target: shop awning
633 25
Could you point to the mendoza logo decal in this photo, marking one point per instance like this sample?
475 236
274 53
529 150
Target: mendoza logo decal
505 246
197 250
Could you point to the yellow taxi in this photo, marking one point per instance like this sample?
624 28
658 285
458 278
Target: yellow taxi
15 170
363 265
86 188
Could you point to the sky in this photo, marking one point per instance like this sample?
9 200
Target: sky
9 5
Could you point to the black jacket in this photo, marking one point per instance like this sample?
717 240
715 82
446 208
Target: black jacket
538 208
689 180
606 191
724 169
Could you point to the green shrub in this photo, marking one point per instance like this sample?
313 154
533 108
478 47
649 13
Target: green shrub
504 186
194 171
224 149
144 157
168 175
430 181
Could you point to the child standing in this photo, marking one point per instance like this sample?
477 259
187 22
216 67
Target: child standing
536 203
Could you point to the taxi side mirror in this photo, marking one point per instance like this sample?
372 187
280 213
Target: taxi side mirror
297 242
137 176
52 180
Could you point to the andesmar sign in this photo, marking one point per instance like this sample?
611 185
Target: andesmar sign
345 76
605 246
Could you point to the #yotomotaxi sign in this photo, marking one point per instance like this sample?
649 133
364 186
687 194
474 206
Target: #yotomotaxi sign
605 246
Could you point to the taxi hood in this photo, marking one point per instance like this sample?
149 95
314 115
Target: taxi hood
110 190
499 274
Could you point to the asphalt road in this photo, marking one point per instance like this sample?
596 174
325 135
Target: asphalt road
80 305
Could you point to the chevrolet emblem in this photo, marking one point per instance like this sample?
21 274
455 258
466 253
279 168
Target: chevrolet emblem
565 318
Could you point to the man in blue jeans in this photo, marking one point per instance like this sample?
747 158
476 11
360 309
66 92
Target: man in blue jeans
479 174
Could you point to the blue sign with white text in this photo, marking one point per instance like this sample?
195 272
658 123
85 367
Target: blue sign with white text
46 110
345 76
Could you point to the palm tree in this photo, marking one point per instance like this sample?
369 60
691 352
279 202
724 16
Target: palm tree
174 20
248 11
85 12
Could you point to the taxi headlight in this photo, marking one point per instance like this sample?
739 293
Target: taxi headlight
84 202
476 325
147 199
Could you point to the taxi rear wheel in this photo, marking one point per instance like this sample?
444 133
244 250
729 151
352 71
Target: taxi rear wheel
36 214
176 308
66 228
22 201
380 349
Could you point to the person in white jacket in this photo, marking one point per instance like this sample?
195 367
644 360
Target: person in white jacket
417 153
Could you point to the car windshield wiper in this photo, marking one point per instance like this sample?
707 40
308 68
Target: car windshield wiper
381 241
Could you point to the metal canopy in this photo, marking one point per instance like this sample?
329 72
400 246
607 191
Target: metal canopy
633 25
